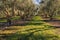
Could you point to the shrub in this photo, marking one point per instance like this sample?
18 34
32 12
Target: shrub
36 18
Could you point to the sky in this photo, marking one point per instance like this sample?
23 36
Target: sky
36 2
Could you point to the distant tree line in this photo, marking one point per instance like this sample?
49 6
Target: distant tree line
26 9
50 9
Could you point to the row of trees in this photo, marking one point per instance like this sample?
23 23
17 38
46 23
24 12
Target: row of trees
21 8
26 9
51 9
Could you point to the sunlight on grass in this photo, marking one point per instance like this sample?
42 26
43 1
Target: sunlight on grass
36 18
4 20
30 32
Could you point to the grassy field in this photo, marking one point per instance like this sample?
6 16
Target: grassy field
12 18
4 20
34 30
29 32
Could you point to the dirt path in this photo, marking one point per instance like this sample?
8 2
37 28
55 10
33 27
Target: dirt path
54 23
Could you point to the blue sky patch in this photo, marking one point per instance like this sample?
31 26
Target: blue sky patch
37 2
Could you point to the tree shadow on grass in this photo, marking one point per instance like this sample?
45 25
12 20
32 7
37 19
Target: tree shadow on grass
22 36
26 36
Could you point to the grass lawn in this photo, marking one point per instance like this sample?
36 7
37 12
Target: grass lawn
34 30
29 32
12 18
57 17
3 20
36 18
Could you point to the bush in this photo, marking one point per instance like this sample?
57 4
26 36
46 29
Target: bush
15 18
36 18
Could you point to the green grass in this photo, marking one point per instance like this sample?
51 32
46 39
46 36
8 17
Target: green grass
34 30
34 33
4 20
12 18
36 18
15 18
31 32
57 17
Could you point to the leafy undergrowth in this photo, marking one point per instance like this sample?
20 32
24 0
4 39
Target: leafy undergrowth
12 18
29 32
57 17
3 20
36 18
15 18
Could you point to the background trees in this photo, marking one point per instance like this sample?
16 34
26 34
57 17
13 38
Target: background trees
26 9
51 8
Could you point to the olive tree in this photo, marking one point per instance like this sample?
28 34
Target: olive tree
51 9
